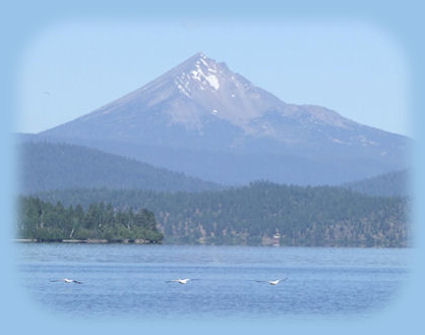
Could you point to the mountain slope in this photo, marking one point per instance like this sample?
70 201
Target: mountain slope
50 166
219 121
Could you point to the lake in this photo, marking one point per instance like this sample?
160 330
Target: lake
130 281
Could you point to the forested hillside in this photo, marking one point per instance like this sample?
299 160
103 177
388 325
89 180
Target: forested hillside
303 216
389 184
51 166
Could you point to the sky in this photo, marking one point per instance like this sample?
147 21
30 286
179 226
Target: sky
359 70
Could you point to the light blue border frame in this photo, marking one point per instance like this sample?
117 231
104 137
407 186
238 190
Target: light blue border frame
20 20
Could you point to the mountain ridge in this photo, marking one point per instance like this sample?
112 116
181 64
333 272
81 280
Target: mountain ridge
391 184
206 112
54 166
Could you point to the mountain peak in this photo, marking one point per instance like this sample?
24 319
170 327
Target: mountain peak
201 105
199 55
198 58
199 70
201 90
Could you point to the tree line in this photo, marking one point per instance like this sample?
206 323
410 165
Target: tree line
44 221
251 215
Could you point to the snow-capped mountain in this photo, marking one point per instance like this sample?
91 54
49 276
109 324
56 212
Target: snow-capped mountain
205 120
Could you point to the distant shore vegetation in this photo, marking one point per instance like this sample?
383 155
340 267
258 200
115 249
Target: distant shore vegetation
46 222
261 213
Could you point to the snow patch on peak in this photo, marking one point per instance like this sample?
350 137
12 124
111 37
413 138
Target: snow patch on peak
211 79
182 85
204 62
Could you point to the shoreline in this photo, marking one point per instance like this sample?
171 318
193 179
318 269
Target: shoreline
140 242
87 241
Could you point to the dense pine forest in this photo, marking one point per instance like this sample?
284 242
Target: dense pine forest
43 221
252 215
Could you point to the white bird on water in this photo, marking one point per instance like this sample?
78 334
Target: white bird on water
68 281
272 282
180 281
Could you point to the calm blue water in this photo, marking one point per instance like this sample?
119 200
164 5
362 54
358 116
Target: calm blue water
129 281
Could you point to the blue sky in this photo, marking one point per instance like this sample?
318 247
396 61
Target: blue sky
354 68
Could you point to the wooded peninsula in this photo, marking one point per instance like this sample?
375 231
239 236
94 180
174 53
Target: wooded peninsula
44 222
